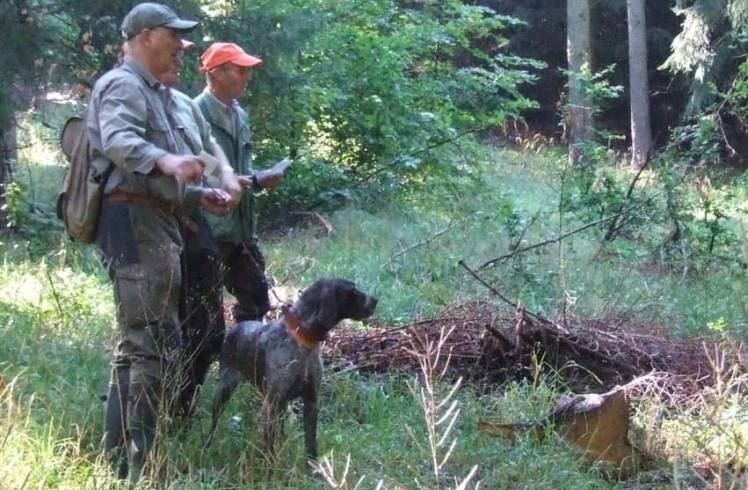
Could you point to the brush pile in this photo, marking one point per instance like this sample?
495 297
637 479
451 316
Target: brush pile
488 344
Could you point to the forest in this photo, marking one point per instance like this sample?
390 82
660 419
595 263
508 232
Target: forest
548 198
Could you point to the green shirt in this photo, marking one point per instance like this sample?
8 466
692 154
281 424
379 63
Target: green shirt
230 128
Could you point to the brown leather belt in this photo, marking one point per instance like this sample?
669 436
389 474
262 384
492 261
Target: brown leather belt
135 198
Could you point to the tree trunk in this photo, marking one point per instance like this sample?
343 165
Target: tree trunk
641 131
7 155
578 50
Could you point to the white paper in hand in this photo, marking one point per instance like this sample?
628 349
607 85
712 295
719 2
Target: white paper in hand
271 176
212 165
281 166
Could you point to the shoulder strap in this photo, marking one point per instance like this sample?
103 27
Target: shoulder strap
72 135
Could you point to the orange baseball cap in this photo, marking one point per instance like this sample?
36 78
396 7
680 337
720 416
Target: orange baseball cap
219 54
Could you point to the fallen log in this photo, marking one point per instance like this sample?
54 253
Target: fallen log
596 424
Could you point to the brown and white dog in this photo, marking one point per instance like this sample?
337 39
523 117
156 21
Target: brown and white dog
283 358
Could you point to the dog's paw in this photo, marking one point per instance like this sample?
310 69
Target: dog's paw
314 469
235 424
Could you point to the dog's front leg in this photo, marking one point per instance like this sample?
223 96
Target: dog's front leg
271 416
226 385
310 423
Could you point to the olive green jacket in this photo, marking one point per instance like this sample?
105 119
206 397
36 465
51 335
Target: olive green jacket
230 129
132 121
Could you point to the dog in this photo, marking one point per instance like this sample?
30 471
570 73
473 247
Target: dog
283 359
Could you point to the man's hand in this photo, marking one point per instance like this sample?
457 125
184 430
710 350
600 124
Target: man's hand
245 181
185 168
215 201
269 178
218 166
232 185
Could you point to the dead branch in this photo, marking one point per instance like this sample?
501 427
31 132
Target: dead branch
499 295
557 239
313 214
521 237
425 241
566 235
612 227
550 333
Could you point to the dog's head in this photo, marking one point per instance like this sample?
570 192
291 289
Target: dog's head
328 301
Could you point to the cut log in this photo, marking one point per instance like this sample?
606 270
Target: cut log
596 424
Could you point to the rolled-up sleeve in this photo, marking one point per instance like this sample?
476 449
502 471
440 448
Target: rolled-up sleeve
122 120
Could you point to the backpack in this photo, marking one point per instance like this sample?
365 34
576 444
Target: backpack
79 202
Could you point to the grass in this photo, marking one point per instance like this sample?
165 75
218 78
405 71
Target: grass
57 324
375 421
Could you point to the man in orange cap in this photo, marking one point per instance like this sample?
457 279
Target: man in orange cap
228 69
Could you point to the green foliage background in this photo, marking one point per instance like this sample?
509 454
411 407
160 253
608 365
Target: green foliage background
365 96
372 95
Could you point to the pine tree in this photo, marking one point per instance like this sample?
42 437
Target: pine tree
704 48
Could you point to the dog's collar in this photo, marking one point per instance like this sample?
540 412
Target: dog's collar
299 331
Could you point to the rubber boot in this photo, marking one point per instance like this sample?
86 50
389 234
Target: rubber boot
142 422
115 420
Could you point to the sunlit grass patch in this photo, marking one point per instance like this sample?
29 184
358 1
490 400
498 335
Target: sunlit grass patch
58 301
55 322
41 164
52 451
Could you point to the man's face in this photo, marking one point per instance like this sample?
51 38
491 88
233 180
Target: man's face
233 79
165 52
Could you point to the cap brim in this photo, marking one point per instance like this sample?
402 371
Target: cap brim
246 60
181 25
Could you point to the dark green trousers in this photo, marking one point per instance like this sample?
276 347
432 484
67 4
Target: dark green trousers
143 260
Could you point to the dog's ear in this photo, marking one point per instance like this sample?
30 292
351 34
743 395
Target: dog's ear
327 313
